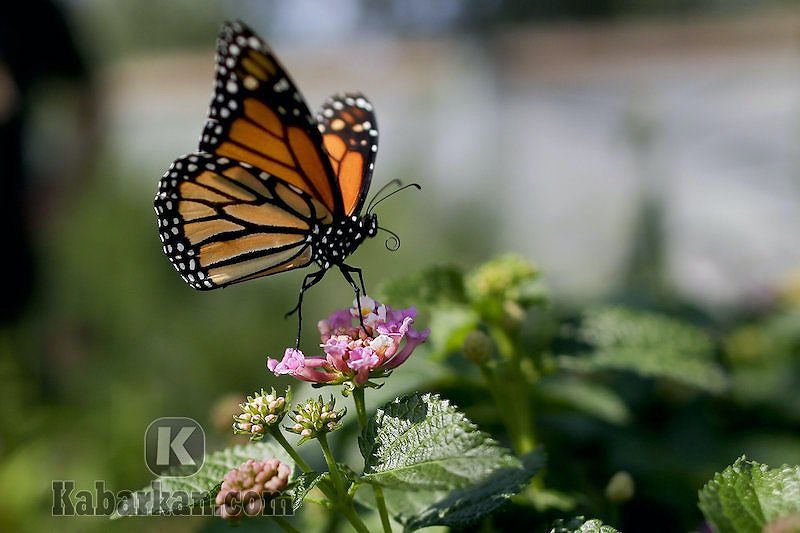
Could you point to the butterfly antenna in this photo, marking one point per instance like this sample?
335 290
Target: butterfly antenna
389 195
378 193
392 243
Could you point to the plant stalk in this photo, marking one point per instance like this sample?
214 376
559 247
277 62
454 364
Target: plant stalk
517 400
276 433
284 524
361 410
345 505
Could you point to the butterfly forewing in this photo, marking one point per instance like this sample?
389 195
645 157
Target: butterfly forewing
258 116
350 134
223 221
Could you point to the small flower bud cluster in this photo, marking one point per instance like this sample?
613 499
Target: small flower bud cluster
260 412
246 489
314 418
502 289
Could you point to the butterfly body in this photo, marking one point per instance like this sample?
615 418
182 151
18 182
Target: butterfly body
333 243
271 188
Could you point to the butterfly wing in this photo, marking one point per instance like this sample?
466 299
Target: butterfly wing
258 116
223 221
350 134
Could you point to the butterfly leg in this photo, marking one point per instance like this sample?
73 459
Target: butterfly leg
309 281
359 273
360 280
346 270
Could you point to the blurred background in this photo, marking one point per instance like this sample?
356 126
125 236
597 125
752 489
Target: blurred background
634 150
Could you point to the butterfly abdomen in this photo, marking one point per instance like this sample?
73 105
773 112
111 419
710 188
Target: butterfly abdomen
332 243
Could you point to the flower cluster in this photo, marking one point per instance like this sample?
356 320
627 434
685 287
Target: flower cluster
502 289
260 412
245 489
314 418
359 344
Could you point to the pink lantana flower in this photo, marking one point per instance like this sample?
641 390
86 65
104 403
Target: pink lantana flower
354 353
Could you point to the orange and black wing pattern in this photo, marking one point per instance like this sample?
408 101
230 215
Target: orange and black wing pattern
258 116
350 134
223 221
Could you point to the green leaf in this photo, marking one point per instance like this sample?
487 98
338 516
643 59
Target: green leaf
302 485
423 442
650 345
592 399
465 505
748 495
450 326
177 495
431 286
579 524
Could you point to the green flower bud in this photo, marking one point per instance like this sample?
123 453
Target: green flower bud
620 487
259 413
478 347
314 418
503 288
500 278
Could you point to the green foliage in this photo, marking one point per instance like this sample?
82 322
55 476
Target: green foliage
450 327
650 345
593 399
496 293
581 525
747 496
437 285
300 487
423 442
764 358
465 505
440 469
203 485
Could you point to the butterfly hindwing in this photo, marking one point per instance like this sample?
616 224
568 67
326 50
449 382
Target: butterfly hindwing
223 221
350 134
258 116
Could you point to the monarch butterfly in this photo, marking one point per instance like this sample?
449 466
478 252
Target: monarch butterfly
270 187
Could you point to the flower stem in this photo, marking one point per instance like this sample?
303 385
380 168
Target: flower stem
345 505
299 461
355 520
361 410
284 524
333 468
381 502
276 432
515 390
